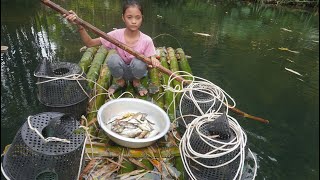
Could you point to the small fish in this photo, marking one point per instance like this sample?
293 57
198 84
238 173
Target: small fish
142 134
138 116
152 133
131 133
145 127
133 125
149 121
134 121
117 128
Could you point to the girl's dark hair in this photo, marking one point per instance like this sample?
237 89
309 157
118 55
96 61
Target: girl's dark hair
130 3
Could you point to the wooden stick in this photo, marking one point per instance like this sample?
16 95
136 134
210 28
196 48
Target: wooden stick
135 53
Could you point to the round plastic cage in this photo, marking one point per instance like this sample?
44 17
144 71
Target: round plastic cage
77 109
206 101
59 91
30 157
218 127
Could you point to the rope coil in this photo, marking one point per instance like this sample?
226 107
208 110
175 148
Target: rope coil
48 139
212 95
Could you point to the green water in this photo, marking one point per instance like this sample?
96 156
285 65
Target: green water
242 56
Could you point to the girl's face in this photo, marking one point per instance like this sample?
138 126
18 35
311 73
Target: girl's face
132 18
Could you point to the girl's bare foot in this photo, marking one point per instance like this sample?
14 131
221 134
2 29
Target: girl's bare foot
139 87
119 84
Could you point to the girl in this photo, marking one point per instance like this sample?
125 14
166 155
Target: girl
124 66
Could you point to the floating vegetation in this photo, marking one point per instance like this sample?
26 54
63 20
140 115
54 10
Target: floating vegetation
285 29
290 60
286 49
202 34
295 72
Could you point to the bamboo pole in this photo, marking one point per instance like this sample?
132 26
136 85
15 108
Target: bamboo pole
156 84
168 96
100 149
133 52
94 70
87 57
174 66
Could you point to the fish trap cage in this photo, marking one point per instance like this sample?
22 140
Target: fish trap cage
30 157
200 99
61 89
225 165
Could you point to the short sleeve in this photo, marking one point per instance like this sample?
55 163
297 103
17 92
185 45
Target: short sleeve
106 43
150 49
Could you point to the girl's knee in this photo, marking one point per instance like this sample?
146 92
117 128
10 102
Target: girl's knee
139 70
138 64
114 60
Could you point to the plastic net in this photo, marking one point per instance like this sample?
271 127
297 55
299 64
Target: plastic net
60 89
222 167
30 157
201 99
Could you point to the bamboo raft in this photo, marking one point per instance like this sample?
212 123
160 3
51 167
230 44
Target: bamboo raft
104 159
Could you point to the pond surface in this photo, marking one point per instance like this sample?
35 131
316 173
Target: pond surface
266 58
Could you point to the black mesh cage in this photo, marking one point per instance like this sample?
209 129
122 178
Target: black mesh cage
30 157
204 98
225 172
62 95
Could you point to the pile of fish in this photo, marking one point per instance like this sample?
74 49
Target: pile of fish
133 125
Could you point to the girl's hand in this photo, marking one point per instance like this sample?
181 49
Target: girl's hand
155 62
71 17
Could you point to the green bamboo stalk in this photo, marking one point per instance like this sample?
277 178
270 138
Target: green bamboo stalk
183 62
155 83
130 89
86 58
168 96
174 66
104 80
116 151
97 61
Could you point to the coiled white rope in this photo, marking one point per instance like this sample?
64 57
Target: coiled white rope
198 84
215 95
72 77
48 139
82 156
76 77
222 149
